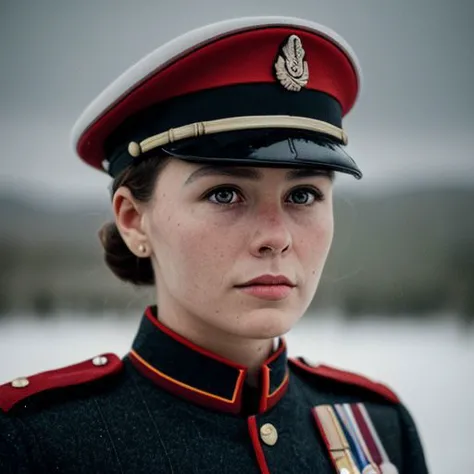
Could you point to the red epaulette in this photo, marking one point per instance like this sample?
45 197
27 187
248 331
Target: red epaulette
349 378
92 369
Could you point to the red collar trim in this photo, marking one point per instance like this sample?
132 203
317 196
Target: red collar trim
189 392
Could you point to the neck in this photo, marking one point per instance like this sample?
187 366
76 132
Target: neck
250 353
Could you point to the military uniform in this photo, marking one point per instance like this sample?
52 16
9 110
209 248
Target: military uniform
247 92
170 406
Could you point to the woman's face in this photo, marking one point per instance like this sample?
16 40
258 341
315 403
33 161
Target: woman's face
210 230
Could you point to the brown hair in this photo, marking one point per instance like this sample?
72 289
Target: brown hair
140 179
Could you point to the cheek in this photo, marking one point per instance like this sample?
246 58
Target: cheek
326 231
324 235
316 243
192 253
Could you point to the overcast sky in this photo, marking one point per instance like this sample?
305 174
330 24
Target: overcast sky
414 118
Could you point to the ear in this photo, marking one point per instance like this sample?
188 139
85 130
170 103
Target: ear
129 220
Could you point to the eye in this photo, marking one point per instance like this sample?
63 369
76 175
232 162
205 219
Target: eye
223 196
306 196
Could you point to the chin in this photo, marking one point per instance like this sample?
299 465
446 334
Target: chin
268 323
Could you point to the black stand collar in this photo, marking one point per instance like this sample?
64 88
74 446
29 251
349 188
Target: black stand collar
198 375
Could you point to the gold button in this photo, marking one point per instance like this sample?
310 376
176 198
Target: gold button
100 360
269 434
21 382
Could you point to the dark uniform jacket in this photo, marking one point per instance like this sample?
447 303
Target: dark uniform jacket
172 407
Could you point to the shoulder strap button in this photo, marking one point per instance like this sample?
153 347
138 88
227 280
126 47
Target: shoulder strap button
100 361
21 382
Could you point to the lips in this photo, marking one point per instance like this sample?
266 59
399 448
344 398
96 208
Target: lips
268 287
268 280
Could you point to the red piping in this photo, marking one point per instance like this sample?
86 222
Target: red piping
262 463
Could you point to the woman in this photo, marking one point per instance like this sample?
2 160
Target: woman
223 146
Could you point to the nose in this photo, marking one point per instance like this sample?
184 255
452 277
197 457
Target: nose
272 235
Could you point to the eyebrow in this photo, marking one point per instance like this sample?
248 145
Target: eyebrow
252 173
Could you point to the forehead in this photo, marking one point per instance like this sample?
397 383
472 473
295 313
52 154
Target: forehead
253 173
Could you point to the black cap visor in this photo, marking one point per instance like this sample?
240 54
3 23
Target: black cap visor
267 148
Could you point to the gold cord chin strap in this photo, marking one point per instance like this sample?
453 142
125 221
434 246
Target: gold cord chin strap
233 124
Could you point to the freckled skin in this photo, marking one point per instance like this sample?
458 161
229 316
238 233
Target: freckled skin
201 250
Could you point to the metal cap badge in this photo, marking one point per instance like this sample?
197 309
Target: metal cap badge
291 68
